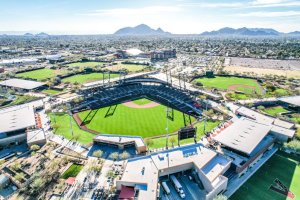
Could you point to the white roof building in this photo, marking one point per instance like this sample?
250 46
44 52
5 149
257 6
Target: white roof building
144 172
294 100
16 118
21 84
243 135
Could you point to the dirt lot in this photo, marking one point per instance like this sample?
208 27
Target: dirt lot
264 71
265 63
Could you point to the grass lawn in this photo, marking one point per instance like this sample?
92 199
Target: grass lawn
142 101
225 83
161 142
295 118
51 91
39 74
85 78
20 99
72 171
278 92
274 110
85 64
282 166
145 122
63 122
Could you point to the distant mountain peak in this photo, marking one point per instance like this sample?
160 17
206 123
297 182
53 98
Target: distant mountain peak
141 29
244 31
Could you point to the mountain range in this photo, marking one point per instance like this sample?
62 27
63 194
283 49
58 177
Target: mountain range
227 31
141 29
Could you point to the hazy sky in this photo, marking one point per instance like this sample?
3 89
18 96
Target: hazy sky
176 16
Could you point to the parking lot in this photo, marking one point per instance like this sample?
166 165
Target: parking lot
190 188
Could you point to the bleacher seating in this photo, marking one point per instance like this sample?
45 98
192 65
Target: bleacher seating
164 94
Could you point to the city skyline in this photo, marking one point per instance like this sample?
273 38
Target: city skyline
175 16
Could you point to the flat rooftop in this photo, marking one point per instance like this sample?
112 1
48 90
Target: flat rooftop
21 83
35 136
146 170
294 100
243 135
16 118
255 115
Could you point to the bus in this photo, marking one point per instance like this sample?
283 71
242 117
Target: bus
177 186
165 187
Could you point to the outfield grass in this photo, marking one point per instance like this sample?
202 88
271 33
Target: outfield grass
85 64
225 83
72 171
85 78
63 122
161 142
40 74
145 122
142 101
282 166
274 110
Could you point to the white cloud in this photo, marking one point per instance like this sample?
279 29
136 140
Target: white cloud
213 5
270 14
274 3
119 12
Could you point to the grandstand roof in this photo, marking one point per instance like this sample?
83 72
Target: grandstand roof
16 118
243 135
121 139
294 100
99 83
21 83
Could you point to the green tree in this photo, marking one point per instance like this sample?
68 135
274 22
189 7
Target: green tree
35 147
149 142
114 156
19 176
220 197
172 140
98 154
124 155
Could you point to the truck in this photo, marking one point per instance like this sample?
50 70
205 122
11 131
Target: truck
165 187
177 186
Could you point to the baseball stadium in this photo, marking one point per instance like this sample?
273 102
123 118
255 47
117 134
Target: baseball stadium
142 106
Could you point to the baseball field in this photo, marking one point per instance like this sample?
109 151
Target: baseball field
85 78
141 117
245 85
85 64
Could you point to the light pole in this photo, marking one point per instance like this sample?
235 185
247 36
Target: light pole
70 114
167 128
